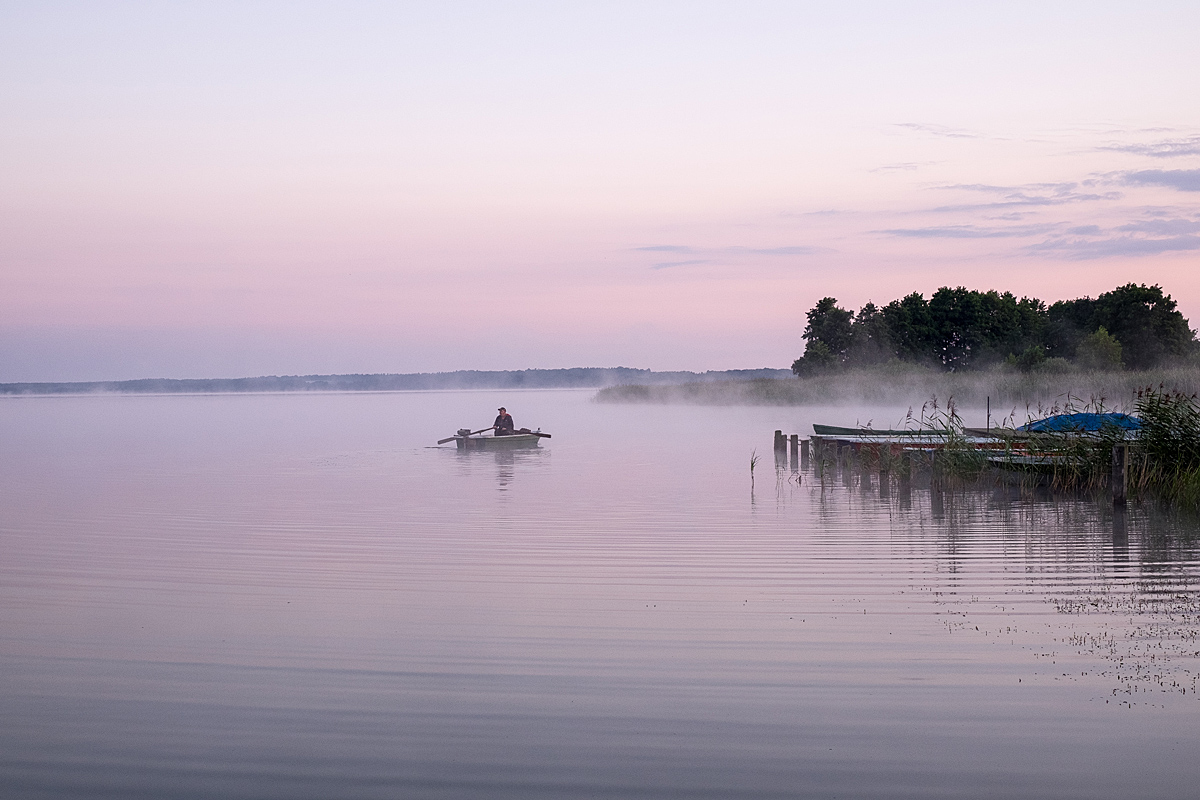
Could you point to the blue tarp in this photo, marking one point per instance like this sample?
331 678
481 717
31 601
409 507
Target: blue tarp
1083 423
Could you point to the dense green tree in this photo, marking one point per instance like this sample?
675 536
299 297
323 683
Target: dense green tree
959 328
1146 323
817 358
870 340
910 328
1142 318
830 325
828 333
1099 350
958 322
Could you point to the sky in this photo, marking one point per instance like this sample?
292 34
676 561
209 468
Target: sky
233 189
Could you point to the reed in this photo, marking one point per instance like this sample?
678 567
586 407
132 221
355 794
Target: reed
911 384
1168 449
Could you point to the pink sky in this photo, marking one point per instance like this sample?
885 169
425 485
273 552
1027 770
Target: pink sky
217 190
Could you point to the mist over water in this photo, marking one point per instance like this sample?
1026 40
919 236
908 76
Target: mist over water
297 596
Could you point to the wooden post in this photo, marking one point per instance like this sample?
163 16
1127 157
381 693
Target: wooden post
794 451
804 454
937 501
905 471
1120 474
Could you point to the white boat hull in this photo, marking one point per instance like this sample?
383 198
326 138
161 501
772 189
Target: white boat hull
517 440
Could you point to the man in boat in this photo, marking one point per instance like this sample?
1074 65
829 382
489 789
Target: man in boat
503 424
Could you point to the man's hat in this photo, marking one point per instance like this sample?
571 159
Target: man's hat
502 408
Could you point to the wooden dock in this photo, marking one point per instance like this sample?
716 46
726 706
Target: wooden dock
887 451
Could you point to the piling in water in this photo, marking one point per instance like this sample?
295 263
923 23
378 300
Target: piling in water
1120 475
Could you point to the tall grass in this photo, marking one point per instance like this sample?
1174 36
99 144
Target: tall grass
1169 445
911 385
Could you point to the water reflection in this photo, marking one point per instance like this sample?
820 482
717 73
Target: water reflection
507 463
1122 582
244 603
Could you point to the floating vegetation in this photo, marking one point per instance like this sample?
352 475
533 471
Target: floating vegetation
1155 649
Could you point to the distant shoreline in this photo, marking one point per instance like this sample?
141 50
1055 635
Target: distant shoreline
573 378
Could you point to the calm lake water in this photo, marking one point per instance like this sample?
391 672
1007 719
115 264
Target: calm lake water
296 596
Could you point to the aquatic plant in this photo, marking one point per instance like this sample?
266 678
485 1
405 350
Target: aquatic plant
958 460
1169 445
899 382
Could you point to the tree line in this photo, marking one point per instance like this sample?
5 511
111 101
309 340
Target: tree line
1133 326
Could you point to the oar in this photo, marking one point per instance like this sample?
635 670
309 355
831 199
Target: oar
472 433
534 433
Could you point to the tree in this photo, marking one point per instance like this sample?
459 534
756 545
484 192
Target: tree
1145 322
830 325
959 328
957 316
817 358
870 342
1099 350
828 334
910 328
1032 358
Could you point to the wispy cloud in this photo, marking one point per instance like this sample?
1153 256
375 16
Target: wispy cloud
1133 246
1185 180
968 232
712 254
939 130
906 166
1162 227
794 250
664 265
1143 237
1034 194
1166 148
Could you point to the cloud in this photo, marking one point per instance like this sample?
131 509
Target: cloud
1086 230
828 212
1132 246
727 252
906 166
1185 180
1163 227
795 250
939 130
1033 194
968 232
668 264
1167 148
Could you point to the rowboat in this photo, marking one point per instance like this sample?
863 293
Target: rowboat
466 439
837 430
